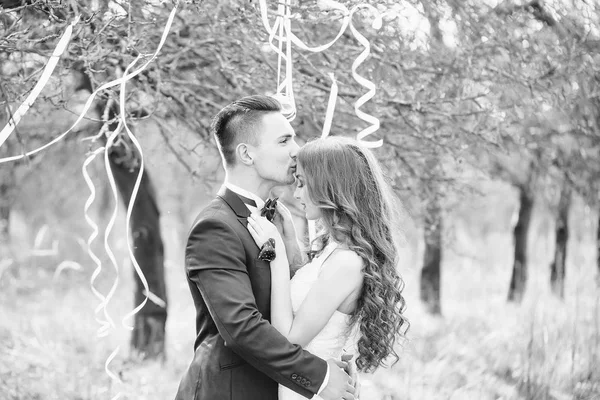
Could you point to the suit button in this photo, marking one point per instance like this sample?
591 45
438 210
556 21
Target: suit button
307 383
303 381
294 376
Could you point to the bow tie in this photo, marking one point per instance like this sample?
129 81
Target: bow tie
268 211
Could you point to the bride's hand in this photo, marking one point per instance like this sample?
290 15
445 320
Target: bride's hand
262 230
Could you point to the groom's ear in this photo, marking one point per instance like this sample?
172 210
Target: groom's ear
244 153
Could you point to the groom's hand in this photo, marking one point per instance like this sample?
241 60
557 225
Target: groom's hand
339 385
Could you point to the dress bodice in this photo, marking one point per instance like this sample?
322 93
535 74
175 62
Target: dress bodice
336 336
330 341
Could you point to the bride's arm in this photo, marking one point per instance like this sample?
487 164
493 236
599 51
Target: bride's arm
282 317
341 276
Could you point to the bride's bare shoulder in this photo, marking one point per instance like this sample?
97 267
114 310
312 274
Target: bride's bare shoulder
344 261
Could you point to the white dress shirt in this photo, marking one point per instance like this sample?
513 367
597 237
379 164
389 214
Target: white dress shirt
260 203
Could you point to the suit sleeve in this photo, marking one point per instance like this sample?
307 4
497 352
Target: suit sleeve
215 262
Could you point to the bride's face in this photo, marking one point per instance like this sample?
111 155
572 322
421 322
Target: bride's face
301 193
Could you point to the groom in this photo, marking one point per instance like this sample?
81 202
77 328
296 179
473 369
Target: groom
238 354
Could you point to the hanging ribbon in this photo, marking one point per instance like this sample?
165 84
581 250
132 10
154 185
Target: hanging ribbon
330 106
91 98
113 186
134 193
282 32
106 323
378 21
14 120
284 91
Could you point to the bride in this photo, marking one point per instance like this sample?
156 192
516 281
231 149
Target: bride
348 298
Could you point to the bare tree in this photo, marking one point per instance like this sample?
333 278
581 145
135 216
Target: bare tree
558 266
148 338
430 282
518 280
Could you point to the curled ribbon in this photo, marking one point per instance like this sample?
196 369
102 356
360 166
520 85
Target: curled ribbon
282 32
363 81
106 323
111 374
109 226
134 193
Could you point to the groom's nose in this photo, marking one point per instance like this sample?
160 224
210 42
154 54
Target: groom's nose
295 149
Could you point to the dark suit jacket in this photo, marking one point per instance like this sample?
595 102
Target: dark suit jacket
238 355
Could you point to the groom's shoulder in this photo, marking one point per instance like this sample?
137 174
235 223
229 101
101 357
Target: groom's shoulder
217 209
216 206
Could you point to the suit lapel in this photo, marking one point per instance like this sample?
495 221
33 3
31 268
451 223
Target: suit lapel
234 201
240 209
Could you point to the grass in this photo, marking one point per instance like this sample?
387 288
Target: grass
482 348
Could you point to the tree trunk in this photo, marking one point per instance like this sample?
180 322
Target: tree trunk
558 266
430 274
148 338
518 280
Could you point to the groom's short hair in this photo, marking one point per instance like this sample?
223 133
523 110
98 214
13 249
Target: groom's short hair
238 123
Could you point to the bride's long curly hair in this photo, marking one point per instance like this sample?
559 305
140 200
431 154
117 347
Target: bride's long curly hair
359 210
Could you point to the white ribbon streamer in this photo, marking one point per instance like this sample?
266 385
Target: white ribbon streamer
363 81
331 5
283 26
330 106
108 250
106 323
90 100
114 377
113 217
26 105
282 32
134 193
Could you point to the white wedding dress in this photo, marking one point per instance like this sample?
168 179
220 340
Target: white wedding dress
335 337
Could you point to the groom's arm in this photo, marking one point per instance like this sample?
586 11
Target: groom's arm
215 262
